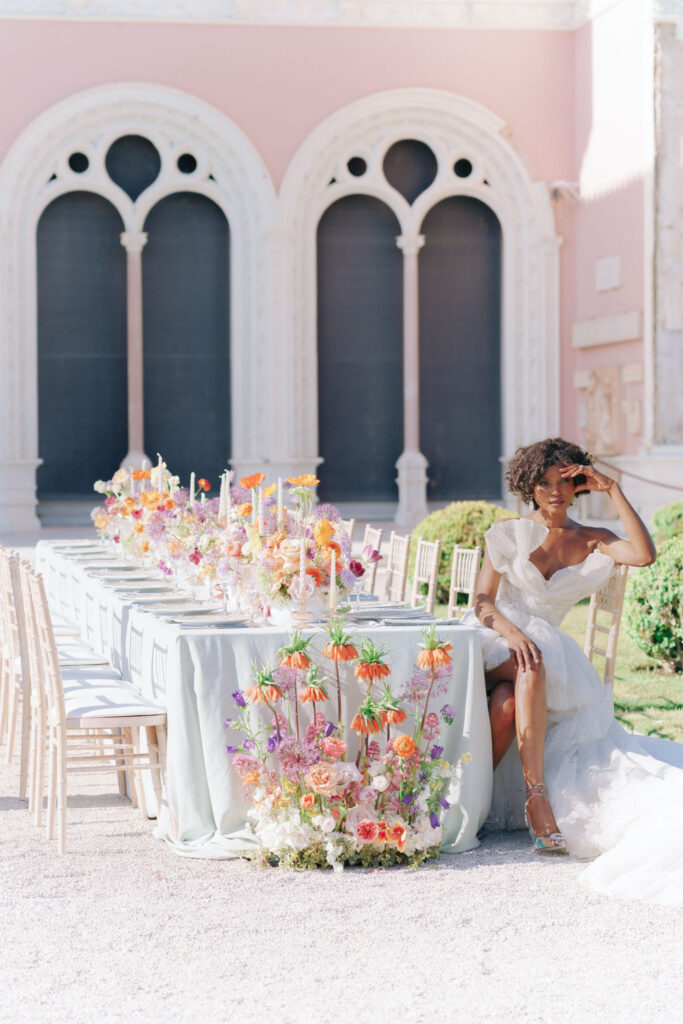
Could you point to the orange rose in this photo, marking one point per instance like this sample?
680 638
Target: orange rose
320 778
307 801
404 745
233 549
255 480
333 746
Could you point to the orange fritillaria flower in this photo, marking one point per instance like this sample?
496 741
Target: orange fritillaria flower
394 715
261 694
255 480
340 652
435 656
366 723
371 670
404 745
312 693
298 659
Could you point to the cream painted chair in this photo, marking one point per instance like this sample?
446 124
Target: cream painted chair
68 709
371 538
426 571
396 578
464 572
609 602
348 526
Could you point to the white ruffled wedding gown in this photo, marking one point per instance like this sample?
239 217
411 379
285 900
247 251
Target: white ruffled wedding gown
617 796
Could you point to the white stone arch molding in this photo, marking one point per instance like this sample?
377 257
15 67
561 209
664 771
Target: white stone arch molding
454 128
36 171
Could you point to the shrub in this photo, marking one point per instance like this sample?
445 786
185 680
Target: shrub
461 523
667 522
654 606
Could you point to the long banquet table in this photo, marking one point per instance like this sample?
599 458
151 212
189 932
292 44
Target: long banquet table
194 670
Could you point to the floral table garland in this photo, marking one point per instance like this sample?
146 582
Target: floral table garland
245 545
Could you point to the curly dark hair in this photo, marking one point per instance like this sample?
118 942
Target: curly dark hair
528 465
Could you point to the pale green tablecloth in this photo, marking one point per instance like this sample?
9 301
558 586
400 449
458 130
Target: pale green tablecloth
194 671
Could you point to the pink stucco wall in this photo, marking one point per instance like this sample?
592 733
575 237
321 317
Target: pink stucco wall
278 83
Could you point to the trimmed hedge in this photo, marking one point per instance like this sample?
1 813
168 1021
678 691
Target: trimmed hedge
654 606
461 523
667 522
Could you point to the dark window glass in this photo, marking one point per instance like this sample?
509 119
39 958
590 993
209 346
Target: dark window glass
133 163
360 354
410 166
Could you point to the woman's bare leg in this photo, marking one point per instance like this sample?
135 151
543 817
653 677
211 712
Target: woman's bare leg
501 715
531 716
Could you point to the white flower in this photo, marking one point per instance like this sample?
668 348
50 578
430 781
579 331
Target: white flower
375 768
120 477
324 822
380 783
100 486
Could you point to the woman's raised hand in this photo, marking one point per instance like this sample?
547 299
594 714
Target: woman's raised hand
594 481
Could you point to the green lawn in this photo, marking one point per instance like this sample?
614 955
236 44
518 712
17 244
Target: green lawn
645 699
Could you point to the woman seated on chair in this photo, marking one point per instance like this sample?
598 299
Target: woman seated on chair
541 686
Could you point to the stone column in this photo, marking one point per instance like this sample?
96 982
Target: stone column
412 465
134 242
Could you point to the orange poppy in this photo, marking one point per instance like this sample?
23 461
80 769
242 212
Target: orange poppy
244 509
142 474
255 480
327 550
270 489
316 574
203 485
305 480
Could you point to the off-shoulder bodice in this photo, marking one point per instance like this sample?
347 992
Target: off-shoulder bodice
523 586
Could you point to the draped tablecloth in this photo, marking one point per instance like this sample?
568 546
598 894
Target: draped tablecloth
194 671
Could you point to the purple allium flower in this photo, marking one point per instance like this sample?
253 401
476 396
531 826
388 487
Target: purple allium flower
296 757
444 803
347 579
448 713
434 820
231 750
238 698
326 512
248 744
436 752
288 679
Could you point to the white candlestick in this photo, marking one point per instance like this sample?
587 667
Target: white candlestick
279 500
253 506
228 497
192 488
302 560
333 582
221 500
131 482
260 510
203 498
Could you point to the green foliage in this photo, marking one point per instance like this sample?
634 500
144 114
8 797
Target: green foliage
654 606
667 522
462 523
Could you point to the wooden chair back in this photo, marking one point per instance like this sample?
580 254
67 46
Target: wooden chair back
426 571
348 526
608 602
396 577
464 571
371 538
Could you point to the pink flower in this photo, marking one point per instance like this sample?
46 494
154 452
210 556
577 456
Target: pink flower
195 557
367 831
367 795
373 750
333 746
357 569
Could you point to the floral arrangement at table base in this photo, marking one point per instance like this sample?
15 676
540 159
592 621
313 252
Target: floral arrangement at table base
313 803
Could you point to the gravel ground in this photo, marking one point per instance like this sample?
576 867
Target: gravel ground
122 929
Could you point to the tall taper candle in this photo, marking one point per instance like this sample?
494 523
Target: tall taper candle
333 582
254 507
279 500
192 488
221 501
260 510
228 496
302 559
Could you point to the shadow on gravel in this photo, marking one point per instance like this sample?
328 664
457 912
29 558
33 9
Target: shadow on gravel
12 803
